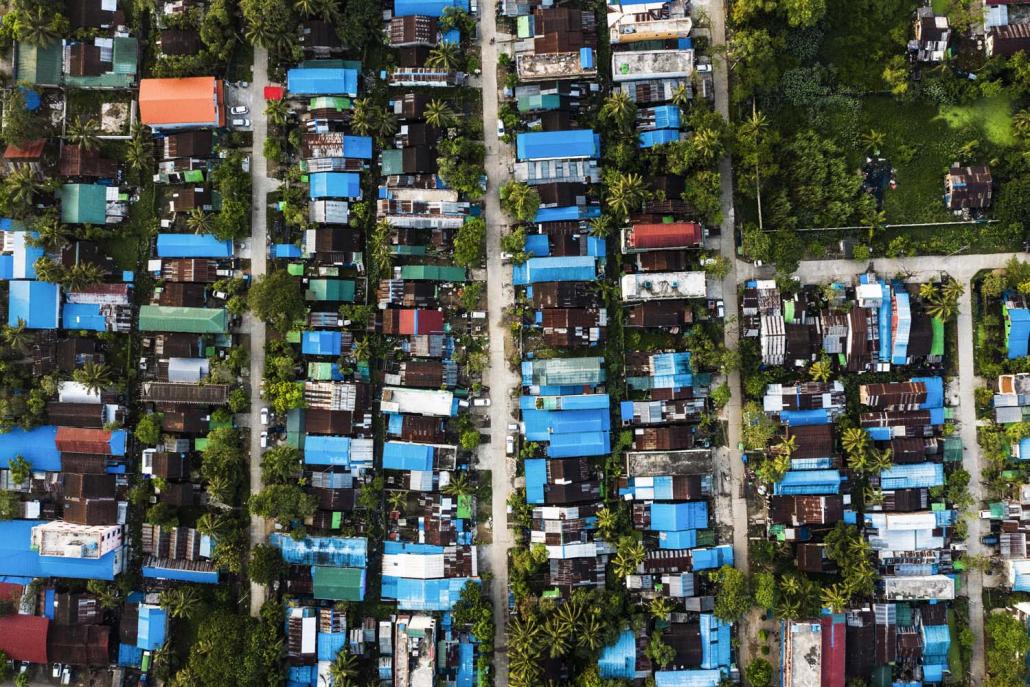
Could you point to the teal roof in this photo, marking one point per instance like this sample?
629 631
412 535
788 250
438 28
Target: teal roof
124 61
40 65
83 204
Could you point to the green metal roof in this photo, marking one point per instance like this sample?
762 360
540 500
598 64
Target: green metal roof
330 290
529 103
953 449
40 65
338 584
124 64
320 372
392 162
295 428
408 250
937 345
296 269
83 204
161 318
433 273
200 444
564 371
330 103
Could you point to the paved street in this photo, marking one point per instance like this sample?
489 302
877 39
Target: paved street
262 185
499 377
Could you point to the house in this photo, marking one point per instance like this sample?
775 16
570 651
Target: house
430 8
337 564
648 237
429 77
39 65
89 204
29 154
1007 40
813 652
187 103
192 246
177 554
322 77
188 144
35 303
556 269
33 548
412 30
158 318
969 188
641 65
1017 325
320 38
24 637
426 402
627 24
106 63
931 36
335 185
558 145
663 286
76 161
97 14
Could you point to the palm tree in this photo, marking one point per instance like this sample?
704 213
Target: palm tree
953 290
385 123
601 227
661 607
276 111
137 152
681 96
628 558
50 230
81 275
524 633
47 270
880 460
439 114
755 125
606 519
618 108
16 338
569 614
835 597
84 133
212 523
38 28
707 144
362 118
872 496
343 669
1021 124
94 376
787 446
306 7
262 33
199 222
397 500
557 637
872 140
855 440
589 636
21 186
789 609
627 193
942 306
362 350
444 56
181 602
821 370
460 485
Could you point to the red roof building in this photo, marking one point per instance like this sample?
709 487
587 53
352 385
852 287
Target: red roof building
410 321
643 237
23 637
80 440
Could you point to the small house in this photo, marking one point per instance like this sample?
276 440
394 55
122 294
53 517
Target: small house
968 188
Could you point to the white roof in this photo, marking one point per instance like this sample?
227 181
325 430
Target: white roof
188 370
414 566
634 65
663 285
308 635
73 392
919 588
435 403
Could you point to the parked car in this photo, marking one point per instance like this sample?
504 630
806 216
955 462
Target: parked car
239 110
264 416
264 439
512 427
500 129
481 402
66 675
989 540
244 123
509 445
704 68
55 670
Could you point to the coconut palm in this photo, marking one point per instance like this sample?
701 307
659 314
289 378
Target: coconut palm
37 27
199 222
137 152
755 125
590 634
362 350
444 56
628 558
681 96
181 602
524 633
439 114
460 485
661 607
835 597
626 193
618 109
385 123
872 496
880 460
876 220
262 33
601 227
362 117
21 185
569 614
789 609
47 270
397 500
707 144
344 669
821 370
855 440
84 133
942 305
557 635
606 519
212 523
50 230
953 290
307 7
787 446
94 376
81 275
277 111
16 338
872 140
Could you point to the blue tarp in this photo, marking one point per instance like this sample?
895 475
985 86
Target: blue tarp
466 664
35 303
321 342
801 418
551 269
619 661
335 185
193 246
86 316
558 145
341 552
398 455
451 36
429 8
285 250
322 81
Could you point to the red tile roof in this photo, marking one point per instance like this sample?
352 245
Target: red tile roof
79 440
674 235
30 151
834 636
23 637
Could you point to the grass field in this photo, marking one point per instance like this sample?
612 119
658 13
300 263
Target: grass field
991 116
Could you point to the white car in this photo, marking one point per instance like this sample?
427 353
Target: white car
704 68
66 675
481 402
509 445
244 123
239 110
264 416
264 439
512 427
500 129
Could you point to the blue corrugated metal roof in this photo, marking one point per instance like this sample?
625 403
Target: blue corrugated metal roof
285 250
156 572
885 323
424 595
538 245
402 455
321 342
37 445
466 664
6 267
18 559
586 58
690 515
570 402
619 661
912 476
129 656
687 678
801 418
322 81
572 213
357 147
657 137
193 246
86 316
800 482
36 303
558 145
536 478
934 392
327 450
335 185
1018 341
451 36
715 642
936 639
342 552
667 117
681 539
558 268
329 644
151 627
429 8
